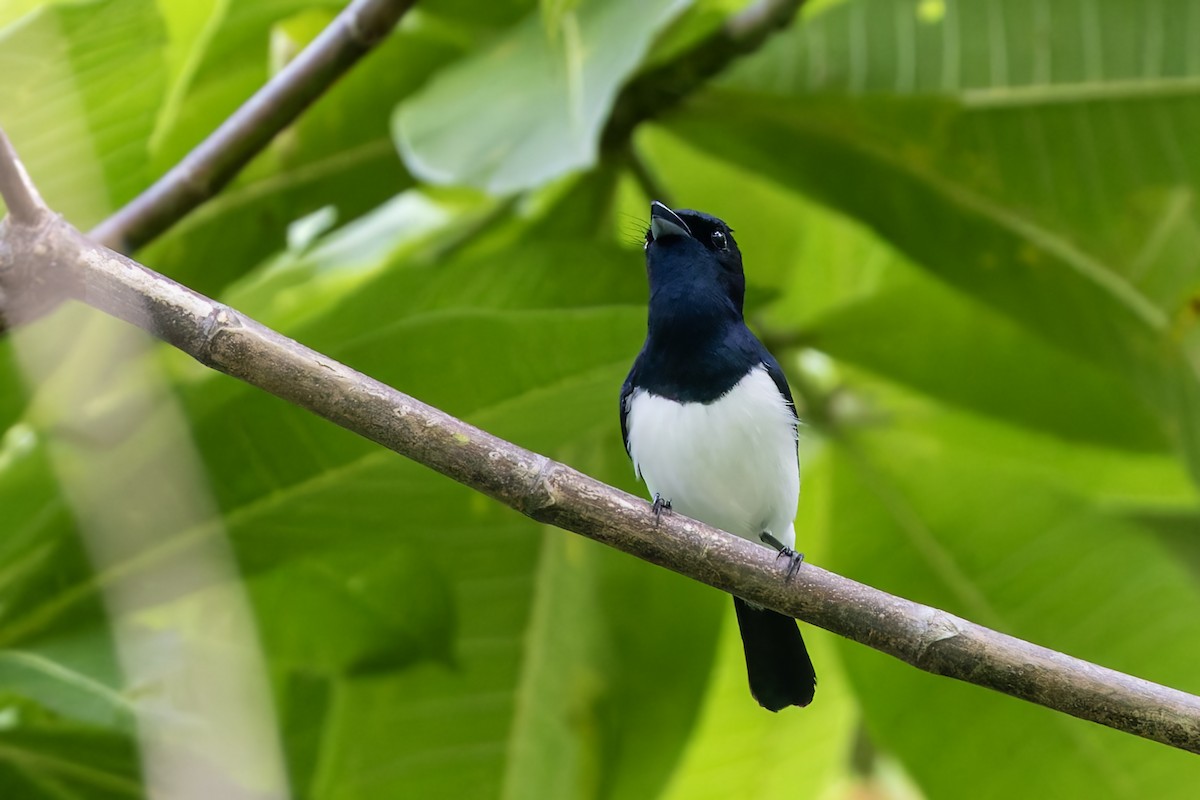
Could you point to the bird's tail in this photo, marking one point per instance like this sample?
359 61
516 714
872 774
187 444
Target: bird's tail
781 673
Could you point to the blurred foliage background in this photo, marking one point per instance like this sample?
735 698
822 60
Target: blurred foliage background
971 236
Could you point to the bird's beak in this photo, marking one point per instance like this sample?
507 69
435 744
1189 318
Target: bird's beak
665 222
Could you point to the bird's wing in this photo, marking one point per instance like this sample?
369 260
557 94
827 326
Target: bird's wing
776 373
626 394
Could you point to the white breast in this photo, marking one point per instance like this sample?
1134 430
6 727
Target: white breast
730 463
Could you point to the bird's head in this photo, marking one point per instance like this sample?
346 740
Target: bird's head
693 256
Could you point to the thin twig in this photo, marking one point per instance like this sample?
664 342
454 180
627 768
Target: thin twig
660 89
553 493
216 160
25 205
26 291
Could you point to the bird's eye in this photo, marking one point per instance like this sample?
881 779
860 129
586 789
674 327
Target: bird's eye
718 240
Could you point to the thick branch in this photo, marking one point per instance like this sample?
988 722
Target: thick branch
550 492
216 160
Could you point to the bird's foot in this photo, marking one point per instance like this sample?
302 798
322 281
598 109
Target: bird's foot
783 551
661 506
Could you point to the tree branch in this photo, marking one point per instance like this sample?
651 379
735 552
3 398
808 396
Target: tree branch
553 493
667 85
354 32
27 287
216 160
25 204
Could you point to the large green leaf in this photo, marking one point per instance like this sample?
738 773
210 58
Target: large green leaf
74 676
412 228
362 602
995 171
222 58
950 512
82 83
560 83
1179 529
12 10
338 155
926 335
12 395
64 762
482 20
737 750
42 557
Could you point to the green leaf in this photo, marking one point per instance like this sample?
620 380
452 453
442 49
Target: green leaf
943 514
226 61
811 260
560 85
339 154
948 46
375 611
74 676
187 25
12 10
12 391
737 749
411 227
935 337
304 702
701 19
554 746
486 17
63 762
994 172
81 88
1178 528
661 632
40 553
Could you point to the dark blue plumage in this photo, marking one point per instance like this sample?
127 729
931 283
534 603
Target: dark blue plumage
708 420
697 343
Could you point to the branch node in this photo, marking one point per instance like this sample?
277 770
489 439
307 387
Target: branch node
35 277
221 319
935 626
541 494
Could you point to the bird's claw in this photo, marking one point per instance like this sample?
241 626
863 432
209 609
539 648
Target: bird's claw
783 551
661 506
794 561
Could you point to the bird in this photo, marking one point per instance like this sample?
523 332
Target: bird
711 428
